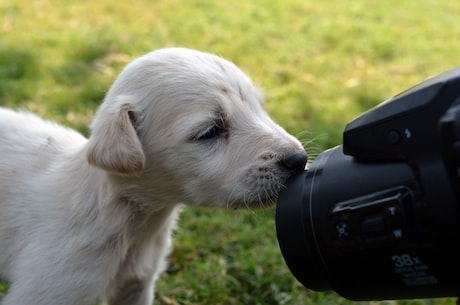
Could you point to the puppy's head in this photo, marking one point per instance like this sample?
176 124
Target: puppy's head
191 127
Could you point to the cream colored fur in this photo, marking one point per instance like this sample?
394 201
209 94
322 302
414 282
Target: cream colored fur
87 220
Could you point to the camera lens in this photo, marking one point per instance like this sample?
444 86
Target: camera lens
362 229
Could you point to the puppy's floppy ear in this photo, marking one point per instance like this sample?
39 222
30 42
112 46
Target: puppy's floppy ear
114 144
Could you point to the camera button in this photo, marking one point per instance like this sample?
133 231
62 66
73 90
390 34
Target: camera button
373 225
393 137
342 230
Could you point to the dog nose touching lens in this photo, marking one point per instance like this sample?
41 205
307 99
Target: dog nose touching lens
377 217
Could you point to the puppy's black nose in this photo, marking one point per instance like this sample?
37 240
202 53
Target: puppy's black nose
295 161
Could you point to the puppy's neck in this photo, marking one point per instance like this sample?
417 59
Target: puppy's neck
119 206
146 220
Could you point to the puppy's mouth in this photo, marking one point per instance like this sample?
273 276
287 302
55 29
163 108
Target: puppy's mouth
266 183
262 199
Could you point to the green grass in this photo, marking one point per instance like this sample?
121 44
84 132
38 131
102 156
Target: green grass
320 63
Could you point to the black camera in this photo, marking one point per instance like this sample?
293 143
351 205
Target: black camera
378 217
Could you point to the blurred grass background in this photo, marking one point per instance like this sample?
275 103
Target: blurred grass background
320 64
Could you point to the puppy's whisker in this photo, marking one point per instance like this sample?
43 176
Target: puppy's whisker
246 203
229 197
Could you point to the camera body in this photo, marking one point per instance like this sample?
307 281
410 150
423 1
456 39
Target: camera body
378 217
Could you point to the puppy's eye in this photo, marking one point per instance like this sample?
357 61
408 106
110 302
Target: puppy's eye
211 133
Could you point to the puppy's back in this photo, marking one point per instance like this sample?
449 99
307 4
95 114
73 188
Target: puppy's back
30 149
24 133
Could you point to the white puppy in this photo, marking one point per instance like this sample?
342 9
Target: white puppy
83 220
